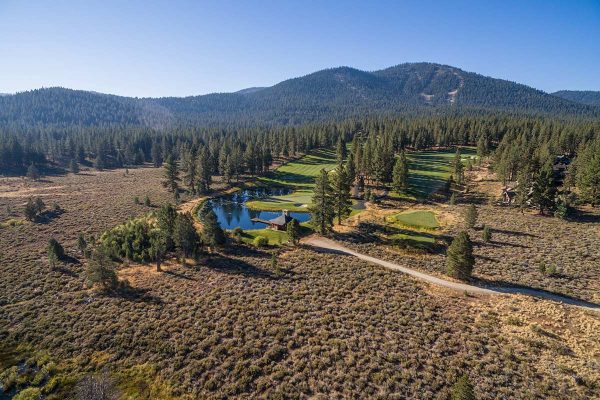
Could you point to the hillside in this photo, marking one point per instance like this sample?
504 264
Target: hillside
588 97
328 94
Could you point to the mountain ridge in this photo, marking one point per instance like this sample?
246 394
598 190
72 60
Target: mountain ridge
332 93
587 97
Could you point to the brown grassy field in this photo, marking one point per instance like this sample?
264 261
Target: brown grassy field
317 326
524 246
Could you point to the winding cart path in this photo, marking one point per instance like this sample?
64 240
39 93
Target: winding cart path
333 246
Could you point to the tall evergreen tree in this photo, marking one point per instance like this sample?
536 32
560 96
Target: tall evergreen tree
340 150
100 270
33 173
351 169
165 220
171 175
156 154
293 231
459 170
459 257
471 216
588 173
544 189
323 209
523 189
341 193
212 233
74 166
185 236
400 173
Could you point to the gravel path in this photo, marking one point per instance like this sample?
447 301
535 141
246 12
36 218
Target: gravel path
330 245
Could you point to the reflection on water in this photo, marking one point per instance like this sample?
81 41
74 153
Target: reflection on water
232 212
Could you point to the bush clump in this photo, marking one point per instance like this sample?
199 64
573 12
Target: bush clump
260 241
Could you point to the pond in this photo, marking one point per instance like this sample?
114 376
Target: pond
232 212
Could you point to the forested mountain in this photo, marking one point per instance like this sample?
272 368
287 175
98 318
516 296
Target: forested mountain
589 97
330 94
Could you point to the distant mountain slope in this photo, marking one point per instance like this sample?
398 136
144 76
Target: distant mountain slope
327 94
589 97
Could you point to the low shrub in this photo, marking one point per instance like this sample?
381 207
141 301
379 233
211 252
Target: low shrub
260 241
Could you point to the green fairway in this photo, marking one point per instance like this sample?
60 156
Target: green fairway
274 237
299 174
296 201
416 219
302 172
414 238
429 171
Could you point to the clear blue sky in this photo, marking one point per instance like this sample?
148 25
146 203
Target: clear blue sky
177 48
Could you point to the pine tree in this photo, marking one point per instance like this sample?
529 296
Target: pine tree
204 171
459 172
341 193
171 175
155 152
482 146
543 189
55 253
185 235
33 173
293 231
340 150
459 258
588 173
100 270
486 234
74 166
158 249
323 209
471 216
400 174
463 389
82 244
351 169
39 204
30 210
523 189
166 224
189 167
212 233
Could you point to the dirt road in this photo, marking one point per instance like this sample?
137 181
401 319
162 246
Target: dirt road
333 246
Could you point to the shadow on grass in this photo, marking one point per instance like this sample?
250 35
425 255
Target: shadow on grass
237 267
586 217
513 233
179 275
137 295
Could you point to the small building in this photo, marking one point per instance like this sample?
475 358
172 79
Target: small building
278 223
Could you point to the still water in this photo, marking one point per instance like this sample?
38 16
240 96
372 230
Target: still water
232 212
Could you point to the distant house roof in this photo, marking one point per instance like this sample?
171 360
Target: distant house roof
283 219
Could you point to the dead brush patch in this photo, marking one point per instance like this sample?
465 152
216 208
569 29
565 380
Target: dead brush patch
328 326
322 326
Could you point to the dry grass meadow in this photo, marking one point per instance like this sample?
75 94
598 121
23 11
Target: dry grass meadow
317 326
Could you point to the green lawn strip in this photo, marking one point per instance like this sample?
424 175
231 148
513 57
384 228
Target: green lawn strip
274 237
429 170
414 236
299 201
414 239
302 172
416 219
